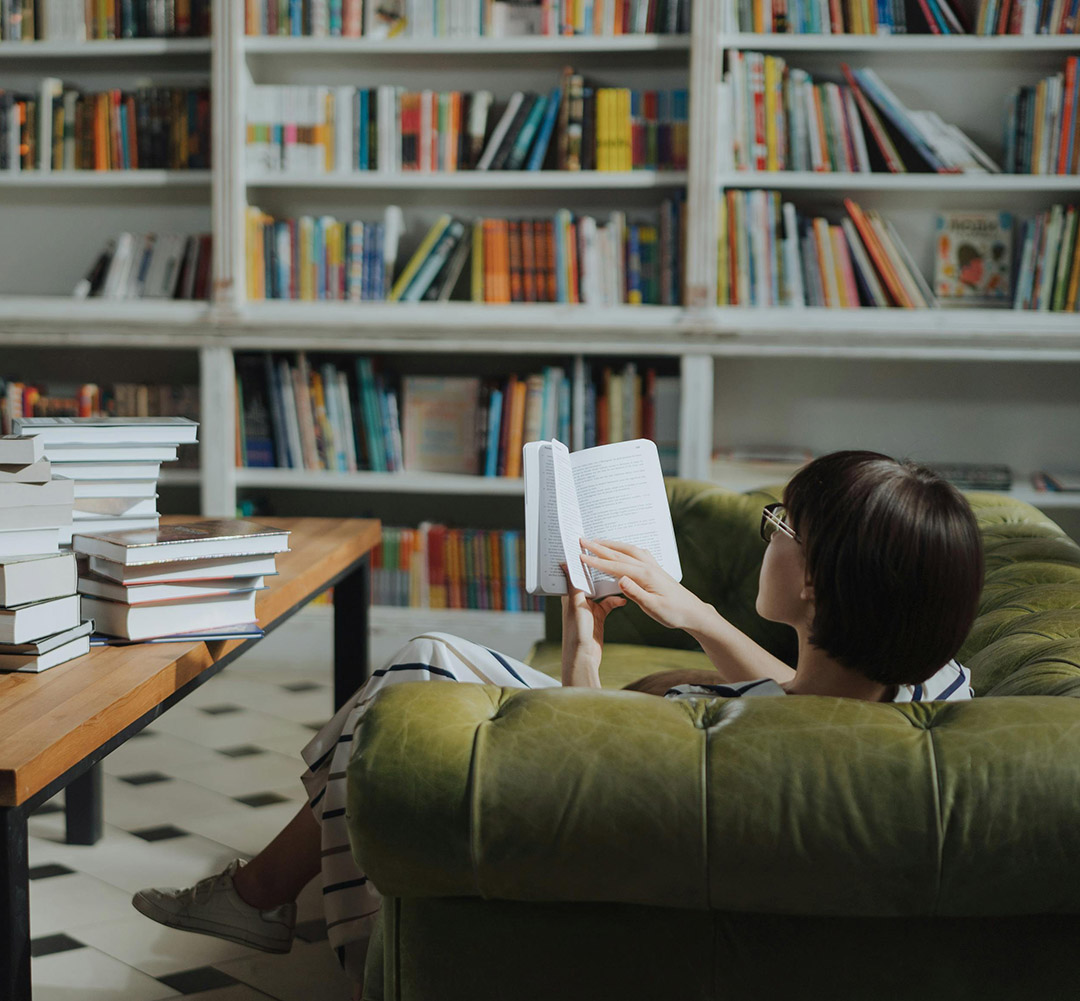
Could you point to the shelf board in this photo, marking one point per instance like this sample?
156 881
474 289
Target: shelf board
110 48
390 48
1045 499
482 180
408 483
105 178
451 326
901 44
63 320
842 181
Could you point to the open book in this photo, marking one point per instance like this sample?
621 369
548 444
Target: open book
609 492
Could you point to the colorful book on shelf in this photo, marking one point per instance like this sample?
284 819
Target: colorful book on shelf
973 258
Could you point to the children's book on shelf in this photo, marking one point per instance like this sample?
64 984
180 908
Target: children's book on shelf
395 19
611 492
1062 480
95 20
63 128
973 259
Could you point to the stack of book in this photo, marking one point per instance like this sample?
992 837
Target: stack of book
112 464
1041 125
465 18
438 567
575 126
79 20
192 581
35 510
770 255
1048 276
776 118
61 128
570 258
39 613
150 266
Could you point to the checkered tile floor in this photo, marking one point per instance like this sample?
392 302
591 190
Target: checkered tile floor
215 777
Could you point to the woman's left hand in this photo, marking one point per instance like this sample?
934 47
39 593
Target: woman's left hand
583 635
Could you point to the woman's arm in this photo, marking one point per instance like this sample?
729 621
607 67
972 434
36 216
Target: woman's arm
583 635
735 656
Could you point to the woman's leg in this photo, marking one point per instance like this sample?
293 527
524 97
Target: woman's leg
284 867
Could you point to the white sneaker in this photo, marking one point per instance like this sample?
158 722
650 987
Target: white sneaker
213 907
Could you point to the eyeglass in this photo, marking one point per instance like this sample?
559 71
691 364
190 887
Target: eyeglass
772 521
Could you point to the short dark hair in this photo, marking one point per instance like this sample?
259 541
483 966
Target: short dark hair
894 555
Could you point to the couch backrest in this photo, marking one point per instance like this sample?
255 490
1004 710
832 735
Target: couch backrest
1025 641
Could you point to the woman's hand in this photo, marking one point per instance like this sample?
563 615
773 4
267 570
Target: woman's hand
642 580
583 635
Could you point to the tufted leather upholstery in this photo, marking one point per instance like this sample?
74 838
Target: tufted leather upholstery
562 826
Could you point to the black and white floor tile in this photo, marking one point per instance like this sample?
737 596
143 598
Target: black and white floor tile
215 777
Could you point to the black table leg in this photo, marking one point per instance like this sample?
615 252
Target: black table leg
15 916
83 808
352 597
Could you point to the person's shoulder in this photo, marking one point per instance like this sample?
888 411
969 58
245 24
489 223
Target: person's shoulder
952 683
736 689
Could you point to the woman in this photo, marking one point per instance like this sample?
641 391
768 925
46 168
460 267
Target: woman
876 565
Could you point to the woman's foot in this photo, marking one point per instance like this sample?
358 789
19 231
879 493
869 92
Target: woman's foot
213 907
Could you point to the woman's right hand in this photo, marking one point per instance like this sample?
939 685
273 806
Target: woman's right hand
642 580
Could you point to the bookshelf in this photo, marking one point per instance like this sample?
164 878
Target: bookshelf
956 365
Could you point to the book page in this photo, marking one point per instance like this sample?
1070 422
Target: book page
620 489
570 525
543 542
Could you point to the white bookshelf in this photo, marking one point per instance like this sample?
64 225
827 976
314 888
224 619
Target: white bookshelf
749 376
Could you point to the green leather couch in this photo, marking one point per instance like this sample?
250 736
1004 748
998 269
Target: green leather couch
579 844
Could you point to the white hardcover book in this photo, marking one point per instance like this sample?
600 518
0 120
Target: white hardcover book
63 453
139 622
194 540
52 90
608 492
106 470
116 275
51 494
343 128
36 663
214 568
26 623
140 266
89 508
36 578
98 431
43 516
143 594
20 449
794 293
26 542
51 642
35 472
90 490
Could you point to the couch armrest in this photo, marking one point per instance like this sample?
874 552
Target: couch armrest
800 805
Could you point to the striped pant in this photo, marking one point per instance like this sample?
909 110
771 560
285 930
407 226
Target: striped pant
350 901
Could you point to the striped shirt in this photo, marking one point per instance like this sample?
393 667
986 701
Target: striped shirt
951 684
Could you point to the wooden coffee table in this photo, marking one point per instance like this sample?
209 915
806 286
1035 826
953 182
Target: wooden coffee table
55 727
